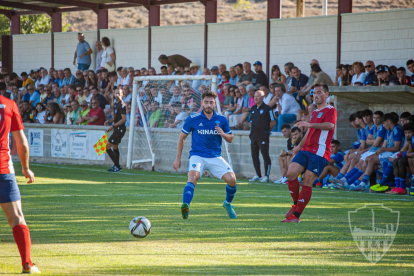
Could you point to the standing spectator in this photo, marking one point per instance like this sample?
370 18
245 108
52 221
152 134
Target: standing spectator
45 78
157 118
370 72
359 75
261 77
248 75
277 76
262 123
83 53
233 76
69 78
84 110
287 105
96 114
174 60
320 76
26 79
99 51
108 55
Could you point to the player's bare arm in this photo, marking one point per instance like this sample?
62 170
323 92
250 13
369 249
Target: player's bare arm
321 126
227 137
295 150
23 150
180 146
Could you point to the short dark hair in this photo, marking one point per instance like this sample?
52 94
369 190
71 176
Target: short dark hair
66 69
26 102
209 94
367 112
294 129
104 70
163 57
405 115
379 112
290 65
352 117
285 126
359 114
408 126
106 41
410 61
391 117
119 68
3 86
112 74
335 142
401 69
316 68
23 74
282 87
163 67
411 119
324 86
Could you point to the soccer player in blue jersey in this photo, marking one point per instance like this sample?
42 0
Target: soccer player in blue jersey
207 129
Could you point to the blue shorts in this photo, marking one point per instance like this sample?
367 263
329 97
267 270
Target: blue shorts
9 190
310 161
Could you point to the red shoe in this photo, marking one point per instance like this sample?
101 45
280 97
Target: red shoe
401 191
291 211
291 218
318 185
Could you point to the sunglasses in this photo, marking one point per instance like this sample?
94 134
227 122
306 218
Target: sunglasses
79 74
367 66
82 105
90 74
30 89
187 71
79 90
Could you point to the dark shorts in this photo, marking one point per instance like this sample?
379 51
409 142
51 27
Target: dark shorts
117 135
310 161
9 190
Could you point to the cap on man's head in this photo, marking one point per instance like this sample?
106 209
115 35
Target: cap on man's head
23 74
258 63
193 64
257 87
214 68
383 68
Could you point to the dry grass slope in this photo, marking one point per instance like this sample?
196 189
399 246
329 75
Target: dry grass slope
193 13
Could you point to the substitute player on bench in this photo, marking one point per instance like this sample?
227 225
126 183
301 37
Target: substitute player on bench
313 152
10 200
208 129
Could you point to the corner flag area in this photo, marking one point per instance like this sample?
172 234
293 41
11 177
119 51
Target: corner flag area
79 218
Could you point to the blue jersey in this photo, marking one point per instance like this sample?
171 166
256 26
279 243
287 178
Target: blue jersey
205 141
394 135
379 132
339 159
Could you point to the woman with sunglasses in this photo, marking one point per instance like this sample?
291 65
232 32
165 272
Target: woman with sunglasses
40 117
91 79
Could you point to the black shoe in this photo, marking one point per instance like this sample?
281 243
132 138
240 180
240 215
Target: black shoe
117 169
111 169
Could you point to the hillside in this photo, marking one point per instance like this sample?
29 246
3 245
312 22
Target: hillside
228 11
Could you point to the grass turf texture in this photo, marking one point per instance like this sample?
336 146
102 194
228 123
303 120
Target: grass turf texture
79 217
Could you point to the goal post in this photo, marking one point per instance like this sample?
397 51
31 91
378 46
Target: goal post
136 102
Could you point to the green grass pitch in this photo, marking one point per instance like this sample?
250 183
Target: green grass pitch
79 218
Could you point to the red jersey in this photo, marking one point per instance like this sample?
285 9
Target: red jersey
319 141
10 120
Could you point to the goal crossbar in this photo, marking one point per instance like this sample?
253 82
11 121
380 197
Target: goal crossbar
135 101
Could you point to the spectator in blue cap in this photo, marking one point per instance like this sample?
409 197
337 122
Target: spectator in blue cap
261 77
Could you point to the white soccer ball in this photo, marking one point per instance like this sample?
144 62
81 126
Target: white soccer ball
140 227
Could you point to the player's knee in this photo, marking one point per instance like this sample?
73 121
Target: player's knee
291 175
282 153
16 220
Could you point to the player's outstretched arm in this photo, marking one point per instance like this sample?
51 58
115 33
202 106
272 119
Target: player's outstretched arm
321 126
23 150
180 147
228 137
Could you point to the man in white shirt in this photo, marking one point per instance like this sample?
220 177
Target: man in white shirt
45 78
267 95
287 105
195 70
125 76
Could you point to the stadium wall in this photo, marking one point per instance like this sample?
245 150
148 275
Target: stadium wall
65 47
299 40
130 45
31 51
165 146
186 40
236 42
384 37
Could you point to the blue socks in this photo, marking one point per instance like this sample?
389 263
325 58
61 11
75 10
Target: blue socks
339 176
355 177
316 181
387 173
188 193
403 185
231 191
365 179
350 174
397 182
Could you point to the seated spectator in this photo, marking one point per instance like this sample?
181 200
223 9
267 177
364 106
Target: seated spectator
176 97
104 80
237 108
84 110
80 97
96 114
248 102
156 118
370 76
41 111
45 78
338 79
26 79
69 78
299 80
96 95
131 76
180 117
277 76
320 76
195 71
248 75
261 78
76 110
410 67
288 71
80 80
54 114
287 107
49 95
126 94
60 78
345 76
58 96
42 92
403 79
92 79
26 113
233 105
359 75
267 96
285 156
233 75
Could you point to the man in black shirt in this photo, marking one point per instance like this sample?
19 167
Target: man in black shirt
26 112
119 128
262 123
97 96
261 77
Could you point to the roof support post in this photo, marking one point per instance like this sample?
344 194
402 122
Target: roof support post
210 16
102 21
344 6
56 28
154 20
274 8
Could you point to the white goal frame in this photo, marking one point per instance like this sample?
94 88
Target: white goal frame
136 101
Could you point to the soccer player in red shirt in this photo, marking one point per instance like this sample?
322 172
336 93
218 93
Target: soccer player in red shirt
312 154
10 200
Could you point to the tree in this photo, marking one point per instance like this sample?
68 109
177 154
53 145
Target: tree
29 24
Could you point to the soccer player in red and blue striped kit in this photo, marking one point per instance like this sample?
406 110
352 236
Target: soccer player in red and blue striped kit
312 154
10 200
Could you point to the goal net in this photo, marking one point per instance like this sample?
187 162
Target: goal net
164 102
